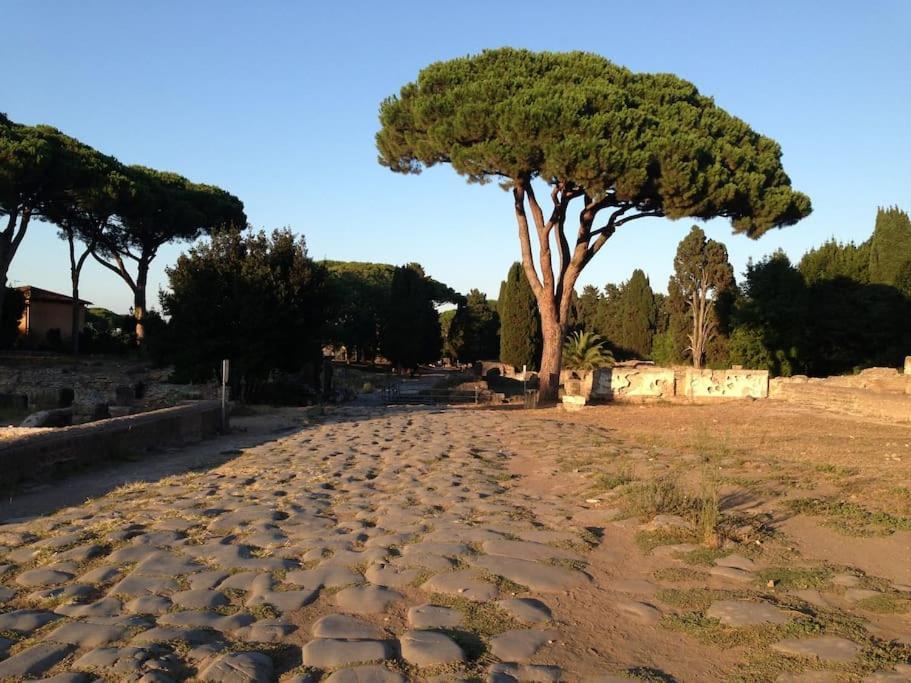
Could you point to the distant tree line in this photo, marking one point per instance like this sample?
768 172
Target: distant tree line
115 214
842 307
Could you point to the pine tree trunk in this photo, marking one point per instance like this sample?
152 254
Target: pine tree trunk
139 301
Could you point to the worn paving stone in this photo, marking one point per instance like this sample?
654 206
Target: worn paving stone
265 631
344 627
35 660
366 674
87 635
520 645
823 648
732 574
238 667
433 616
640 611
510 672
736 562
105 607
283 601
464 583
528 550
390 575
537 576
366 599
134 585
743 613
148 604
326 653
26 620
36 578
199 599
526 610
330 576
429 648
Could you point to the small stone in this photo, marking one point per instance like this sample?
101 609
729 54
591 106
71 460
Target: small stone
429 648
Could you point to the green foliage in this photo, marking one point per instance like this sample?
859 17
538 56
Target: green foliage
473 333
834 259
360 298
13 308
520 323
890 246
586 351
830 326
639 315
412 331
666 349
702 278
256 299
652 139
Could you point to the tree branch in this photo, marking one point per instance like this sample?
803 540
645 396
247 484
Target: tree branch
518 193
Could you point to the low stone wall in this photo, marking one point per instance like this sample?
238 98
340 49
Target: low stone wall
636 382
40 455
724 384
644 381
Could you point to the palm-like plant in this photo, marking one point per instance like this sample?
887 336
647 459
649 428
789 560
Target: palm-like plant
586 351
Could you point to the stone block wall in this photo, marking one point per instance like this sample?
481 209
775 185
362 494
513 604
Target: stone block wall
633 382
724 384
42 454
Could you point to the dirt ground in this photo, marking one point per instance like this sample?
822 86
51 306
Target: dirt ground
739 541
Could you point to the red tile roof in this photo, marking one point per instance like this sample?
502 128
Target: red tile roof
37 294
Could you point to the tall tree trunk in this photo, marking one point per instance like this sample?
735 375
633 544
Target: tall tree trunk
10 239
139 300
553 331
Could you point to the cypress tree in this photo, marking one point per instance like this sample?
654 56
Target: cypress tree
520 325
639 315
890 246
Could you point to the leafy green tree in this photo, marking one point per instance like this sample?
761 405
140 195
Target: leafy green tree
774 311
587 308
412 332
586 351
37 166
890 246
360 299
834 259
13 308
474 331
903 279
85 212
256 299
639 315
520 325
159 208
627 144
702 274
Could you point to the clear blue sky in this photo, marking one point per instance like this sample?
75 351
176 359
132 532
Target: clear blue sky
277 102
